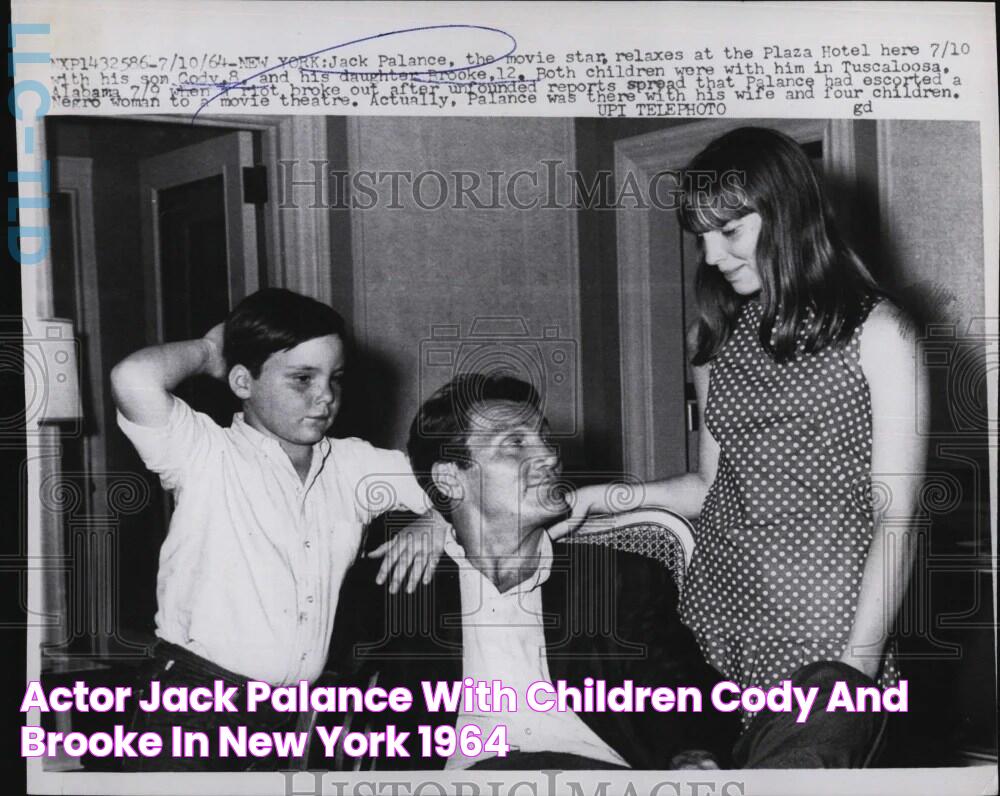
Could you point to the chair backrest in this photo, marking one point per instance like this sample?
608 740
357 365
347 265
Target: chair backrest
656 533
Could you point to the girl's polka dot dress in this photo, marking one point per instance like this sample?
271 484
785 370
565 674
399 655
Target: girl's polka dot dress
786 526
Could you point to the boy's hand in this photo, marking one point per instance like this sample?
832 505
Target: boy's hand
413 551
215 365
142 383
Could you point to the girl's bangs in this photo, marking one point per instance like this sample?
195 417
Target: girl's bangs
707 207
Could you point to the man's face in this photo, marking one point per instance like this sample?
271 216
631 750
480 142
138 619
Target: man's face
296 397
514 467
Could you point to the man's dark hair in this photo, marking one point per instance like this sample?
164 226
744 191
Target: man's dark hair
273 320
440 431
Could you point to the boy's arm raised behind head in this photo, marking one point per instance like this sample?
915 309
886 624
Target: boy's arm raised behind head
142 383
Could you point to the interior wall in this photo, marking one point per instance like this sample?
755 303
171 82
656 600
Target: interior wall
931 235
418 272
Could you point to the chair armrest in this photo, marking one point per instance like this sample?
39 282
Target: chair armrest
656 533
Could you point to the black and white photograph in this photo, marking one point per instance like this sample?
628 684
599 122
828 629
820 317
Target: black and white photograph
400 448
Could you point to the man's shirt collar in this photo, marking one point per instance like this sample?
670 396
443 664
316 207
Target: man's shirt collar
541 574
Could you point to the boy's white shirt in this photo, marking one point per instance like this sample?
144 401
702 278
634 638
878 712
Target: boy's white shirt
250 572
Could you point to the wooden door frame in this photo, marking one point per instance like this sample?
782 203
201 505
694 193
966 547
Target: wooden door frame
74 176
242 265
297 244
642 157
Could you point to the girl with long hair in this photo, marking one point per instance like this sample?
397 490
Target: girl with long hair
806 375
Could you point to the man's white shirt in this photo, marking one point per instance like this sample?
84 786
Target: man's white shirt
503 639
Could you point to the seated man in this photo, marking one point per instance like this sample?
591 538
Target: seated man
506 605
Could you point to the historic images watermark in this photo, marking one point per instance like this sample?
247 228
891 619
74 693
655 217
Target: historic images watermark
314 185
313 783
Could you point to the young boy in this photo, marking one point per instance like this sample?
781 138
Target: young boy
269 512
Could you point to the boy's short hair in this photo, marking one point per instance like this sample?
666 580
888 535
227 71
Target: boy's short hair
275 319
440 432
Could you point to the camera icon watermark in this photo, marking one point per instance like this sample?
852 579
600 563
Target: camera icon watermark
47 355
495 346
959 365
